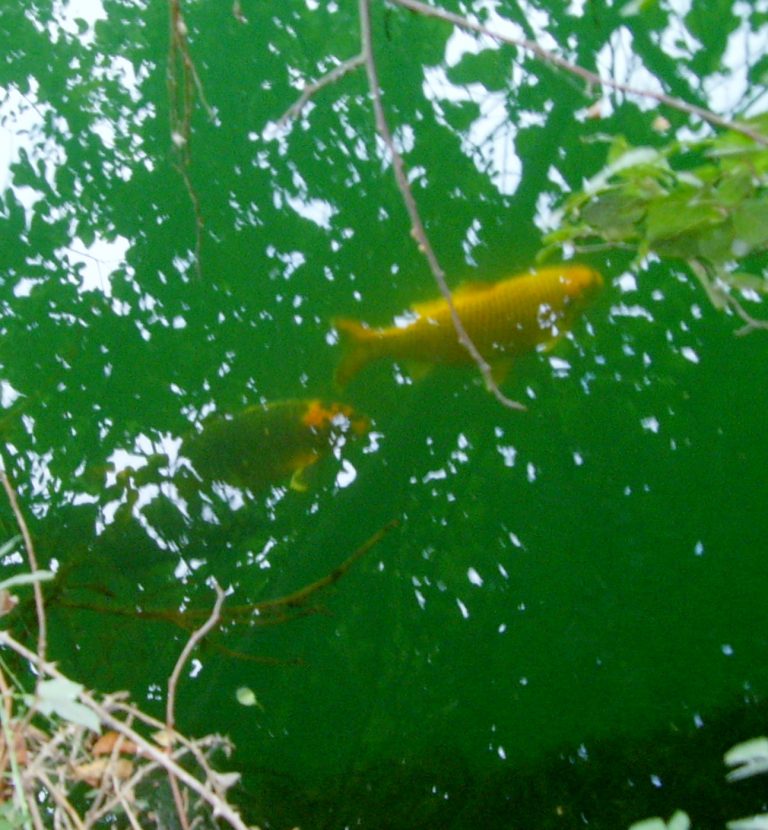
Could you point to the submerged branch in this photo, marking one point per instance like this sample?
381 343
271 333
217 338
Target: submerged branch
268 612
300 597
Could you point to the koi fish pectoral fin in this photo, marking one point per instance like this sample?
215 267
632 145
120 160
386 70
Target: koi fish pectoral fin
298 482
300 464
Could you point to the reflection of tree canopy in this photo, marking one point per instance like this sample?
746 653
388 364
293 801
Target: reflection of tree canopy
109 332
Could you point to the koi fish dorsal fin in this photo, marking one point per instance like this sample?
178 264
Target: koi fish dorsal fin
466 289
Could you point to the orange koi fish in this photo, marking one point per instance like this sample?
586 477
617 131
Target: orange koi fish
503 319
265 444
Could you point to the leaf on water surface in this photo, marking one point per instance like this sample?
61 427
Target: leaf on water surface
247 697
8 602
224 780
623 161
747 282
615 214
163 738
657 202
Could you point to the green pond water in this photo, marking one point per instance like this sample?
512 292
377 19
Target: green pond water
567 627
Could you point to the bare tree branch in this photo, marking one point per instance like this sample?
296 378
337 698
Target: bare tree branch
574 69
173 680
417 226
295 110
196 637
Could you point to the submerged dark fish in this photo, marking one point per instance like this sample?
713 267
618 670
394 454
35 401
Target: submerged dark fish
503 319
266 444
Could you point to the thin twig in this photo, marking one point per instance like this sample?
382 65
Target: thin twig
590 77
57 794
144 771
750 323
34 810
295 110
108 806
303 594
417 226
720 299
178 801
42 636
266 612
49 750
173 680
197 636
134 822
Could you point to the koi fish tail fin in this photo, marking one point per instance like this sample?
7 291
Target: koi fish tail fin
360 348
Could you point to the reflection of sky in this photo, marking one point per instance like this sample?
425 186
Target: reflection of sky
22 120
490 139
22 117
726 90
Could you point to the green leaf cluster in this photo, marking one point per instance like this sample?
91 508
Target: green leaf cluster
702 201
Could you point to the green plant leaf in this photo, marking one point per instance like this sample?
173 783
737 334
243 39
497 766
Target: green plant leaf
748 282
638 160
615 214
59 697
26 579
750 222
678 216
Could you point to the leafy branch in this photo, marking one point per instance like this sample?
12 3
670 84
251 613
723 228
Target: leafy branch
747 131
702 202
